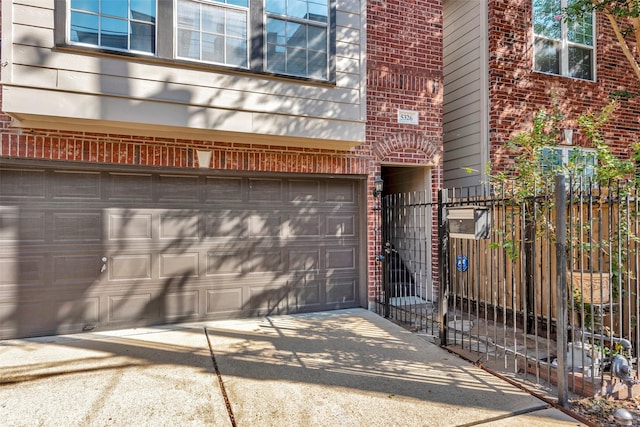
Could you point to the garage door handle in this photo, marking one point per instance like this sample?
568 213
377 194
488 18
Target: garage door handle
104 265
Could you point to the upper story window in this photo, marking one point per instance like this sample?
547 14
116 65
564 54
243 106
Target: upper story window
560 47
297 34
213 31
285 37
128 25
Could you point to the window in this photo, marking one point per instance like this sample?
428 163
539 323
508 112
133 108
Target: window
297 37
575 162
563 48
285 37
213 32
127 25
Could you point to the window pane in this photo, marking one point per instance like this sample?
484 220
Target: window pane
143 10
119 8
318 10
237 52
317 38
551 159
213 48
188 15
297 9
84 28
276 58
296 35
277 6
297 61
242 3
547 59
236 24
581 31
276 31
143 37
580 61
188 44
87 5
547 19
114 33
213 19
318 65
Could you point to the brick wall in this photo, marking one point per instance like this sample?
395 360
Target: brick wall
404 71
517 93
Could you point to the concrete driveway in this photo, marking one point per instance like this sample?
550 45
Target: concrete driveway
339 368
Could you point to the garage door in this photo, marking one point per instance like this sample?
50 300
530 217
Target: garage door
89 249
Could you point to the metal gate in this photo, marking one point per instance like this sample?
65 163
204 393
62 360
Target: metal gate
551 294
408 293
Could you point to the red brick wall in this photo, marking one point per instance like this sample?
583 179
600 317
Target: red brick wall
404 71
517 93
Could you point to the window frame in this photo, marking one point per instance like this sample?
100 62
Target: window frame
565 156
563 45
166 41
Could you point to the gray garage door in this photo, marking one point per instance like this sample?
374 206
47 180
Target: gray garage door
89 249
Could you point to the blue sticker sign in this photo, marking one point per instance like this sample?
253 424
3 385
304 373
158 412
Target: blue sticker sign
462 263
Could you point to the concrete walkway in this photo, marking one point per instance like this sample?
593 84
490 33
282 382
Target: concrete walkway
341 368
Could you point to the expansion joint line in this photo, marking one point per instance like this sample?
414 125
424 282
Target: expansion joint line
223 390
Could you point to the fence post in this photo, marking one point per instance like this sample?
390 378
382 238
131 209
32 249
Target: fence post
561 288
443 263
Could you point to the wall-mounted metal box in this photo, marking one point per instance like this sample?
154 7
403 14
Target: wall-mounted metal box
469 222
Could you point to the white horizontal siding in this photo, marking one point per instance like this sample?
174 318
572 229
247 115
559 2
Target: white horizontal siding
36 65
464 101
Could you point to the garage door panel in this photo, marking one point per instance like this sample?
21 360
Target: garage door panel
130 187
129 266
340 258
341 191
223 262
303 191
32 318
16 183
265 190
127 225
76 268
340 291
224 300
71 310
177 188
179 265
223 189
226 224
77 227
22 270
179 226
20 225
70 185
264 225
260 261
341 226
186 247
181 305
304 260
304 225
130 307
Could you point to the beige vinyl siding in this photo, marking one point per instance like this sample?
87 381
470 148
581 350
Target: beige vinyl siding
464 110
118 91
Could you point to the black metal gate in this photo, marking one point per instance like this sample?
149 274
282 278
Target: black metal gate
548 290
409 291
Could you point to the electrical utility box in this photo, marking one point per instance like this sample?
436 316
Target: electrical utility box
469 222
